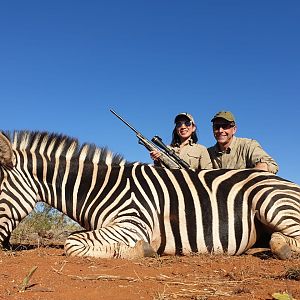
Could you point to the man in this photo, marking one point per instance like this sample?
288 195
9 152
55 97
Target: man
231 152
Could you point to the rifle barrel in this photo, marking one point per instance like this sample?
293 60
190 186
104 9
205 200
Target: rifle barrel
119 117
171 160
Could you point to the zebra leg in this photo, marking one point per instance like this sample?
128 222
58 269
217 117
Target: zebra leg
283 219
283 246
98 243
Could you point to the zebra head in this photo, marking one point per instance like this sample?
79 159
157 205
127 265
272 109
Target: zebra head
13 205
6 152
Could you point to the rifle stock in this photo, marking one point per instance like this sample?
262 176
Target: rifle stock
171 161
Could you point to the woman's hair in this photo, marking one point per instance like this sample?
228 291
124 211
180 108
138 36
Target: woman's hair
176 138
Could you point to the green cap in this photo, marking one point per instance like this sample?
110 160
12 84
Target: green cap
184 114
227 115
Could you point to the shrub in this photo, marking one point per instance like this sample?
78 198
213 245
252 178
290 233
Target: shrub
44 223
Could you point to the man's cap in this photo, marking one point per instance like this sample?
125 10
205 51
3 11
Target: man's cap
227 115
184 114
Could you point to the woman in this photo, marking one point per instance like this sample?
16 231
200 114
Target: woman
184 143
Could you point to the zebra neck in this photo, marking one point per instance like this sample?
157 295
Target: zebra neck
76 187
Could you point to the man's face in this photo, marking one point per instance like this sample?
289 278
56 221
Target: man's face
223 131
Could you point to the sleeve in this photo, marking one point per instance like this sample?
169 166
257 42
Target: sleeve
257 154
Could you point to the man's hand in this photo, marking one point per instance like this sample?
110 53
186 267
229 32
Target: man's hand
262 166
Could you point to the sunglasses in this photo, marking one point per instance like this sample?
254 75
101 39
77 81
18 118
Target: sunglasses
186 123
224 126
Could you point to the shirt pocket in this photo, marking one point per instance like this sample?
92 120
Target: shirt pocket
193 160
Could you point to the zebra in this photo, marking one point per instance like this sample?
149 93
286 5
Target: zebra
132 210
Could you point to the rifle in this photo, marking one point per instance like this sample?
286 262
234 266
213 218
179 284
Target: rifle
168 157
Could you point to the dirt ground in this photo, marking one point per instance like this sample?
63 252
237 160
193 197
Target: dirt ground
46 273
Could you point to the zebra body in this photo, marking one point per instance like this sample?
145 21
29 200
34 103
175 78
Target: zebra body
133 210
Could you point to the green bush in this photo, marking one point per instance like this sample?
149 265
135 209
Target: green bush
44 223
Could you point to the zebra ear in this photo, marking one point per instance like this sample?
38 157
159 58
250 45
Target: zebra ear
6 153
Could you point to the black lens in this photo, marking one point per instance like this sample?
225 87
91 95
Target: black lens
224 126
186 123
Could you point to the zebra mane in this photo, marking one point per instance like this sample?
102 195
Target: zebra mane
53 144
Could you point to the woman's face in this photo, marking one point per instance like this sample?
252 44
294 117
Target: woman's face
184 128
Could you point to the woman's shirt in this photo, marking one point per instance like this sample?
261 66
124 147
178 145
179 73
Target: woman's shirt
195 155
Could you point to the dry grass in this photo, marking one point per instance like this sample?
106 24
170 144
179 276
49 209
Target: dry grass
291 274
25 283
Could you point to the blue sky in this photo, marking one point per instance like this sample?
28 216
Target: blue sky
64 64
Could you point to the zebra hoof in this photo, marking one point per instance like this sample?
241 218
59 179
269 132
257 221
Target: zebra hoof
279 247
283 252
144 249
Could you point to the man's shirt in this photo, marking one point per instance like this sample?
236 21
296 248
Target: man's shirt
242 153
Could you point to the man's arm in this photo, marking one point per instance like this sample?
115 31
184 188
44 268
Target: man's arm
261 159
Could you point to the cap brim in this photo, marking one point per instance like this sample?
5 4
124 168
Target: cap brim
182 115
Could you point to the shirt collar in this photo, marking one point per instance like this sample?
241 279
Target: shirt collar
190 142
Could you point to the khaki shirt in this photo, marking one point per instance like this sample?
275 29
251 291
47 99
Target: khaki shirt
195 155
242 153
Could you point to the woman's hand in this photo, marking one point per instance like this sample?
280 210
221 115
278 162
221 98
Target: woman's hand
155 154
